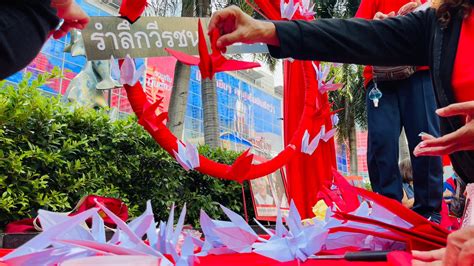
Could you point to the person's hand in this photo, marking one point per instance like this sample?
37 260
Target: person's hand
459 251
236 26
73 15
447 193
409 7
382 16
459 140
433 257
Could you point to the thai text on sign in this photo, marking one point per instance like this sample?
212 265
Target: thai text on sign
147 37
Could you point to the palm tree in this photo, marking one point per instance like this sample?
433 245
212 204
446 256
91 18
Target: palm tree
179 93
208 87
352 97
211 118
208 93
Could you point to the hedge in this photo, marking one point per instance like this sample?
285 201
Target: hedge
53 153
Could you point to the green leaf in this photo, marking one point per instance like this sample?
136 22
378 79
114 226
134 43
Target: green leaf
52 154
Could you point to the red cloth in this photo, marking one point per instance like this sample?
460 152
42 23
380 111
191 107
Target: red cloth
446 160
21 226
87 202
368 9
242 169
117 206
446 221
395 258
463 72
4 252
306 174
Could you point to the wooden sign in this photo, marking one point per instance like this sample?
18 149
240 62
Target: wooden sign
113 36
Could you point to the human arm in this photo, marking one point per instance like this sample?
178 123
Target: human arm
459 140
459 251
395 41
73 15
409 7
408 203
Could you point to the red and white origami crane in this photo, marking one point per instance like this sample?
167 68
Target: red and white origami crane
209 64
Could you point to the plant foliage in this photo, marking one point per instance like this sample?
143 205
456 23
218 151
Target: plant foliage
52 154
351 99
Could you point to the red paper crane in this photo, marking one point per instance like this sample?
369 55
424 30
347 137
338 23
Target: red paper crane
209 64
132 9
241 167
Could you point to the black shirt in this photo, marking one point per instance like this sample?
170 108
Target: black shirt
414 39
25 26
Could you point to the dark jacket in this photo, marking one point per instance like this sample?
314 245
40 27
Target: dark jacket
416 39
24 27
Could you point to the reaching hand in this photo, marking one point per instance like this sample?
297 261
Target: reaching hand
459 140
409 7
382 16
73 15
459 252
236 26
428 258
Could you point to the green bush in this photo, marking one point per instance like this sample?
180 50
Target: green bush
52 154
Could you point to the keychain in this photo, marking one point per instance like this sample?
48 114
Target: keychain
375 94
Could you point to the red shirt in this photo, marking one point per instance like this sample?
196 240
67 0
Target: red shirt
368 9
463 71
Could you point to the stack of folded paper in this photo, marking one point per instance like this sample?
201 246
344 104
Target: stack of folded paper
375 224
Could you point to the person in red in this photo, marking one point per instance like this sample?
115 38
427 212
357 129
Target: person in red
440 37
406 101
429 37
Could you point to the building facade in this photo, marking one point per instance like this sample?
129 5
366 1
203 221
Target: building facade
249 110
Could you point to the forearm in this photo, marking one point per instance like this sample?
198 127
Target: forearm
268 34
398 41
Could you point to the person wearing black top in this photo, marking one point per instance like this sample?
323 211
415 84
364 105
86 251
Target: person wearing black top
407 102
421 38
417 39
25 25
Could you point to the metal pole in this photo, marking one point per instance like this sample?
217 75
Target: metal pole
109 100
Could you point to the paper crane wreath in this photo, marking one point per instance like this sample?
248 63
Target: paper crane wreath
313 123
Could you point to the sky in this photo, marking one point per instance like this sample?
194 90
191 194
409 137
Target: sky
277 74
